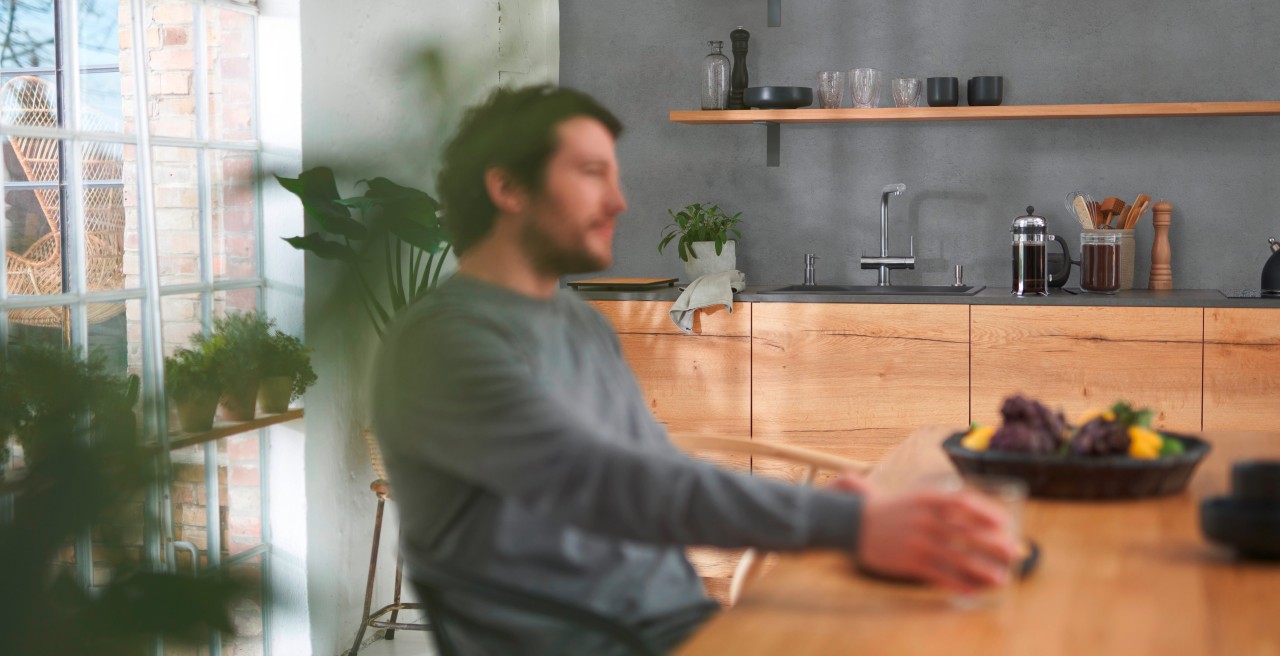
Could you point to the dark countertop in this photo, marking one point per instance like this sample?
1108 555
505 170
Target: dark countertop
1211 298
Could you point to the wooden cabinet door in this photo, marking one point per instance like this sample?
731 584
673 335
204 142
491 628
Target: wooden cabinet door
1080 358
1241 369
856 379
699 383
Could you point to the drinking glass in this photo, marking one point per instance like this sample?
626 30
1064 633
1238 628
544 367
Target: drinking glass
1010 494
906 92
866 87
830 89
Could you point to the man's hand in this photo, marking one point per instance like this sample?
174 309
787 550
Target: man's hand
958 541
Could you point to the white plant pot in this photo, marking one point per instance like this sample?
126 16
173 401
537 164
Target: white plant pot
708 262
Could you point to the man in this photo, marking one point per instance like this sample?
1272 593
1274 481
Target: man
520 446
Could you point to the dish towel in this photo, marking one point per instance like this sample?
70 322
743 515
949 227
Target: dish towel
711 289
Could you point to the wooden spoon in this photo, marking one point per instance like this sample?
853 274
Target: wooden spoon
1137 216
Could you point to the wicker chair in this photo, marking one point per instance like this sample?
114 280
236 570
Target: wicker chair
382 489
29 101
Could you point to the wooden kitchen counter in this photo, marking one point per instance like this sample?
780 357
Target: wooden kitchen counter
1124 577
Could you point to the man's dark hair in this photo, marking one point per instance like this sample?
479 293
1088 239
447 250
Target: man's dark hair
514 130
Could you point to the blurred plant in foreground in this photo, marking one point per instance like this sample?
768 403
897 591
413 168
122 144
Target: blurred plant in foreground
84 464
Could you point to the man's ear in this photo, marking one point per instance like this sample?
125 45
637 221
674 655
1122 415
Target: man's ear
507 194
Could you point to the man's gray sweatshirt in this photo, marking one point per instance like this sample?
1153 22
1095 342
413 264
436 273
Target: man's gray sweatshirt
521 451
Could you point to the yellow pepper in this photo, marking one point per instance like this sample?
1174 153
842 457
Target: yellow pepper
1144 443
979 438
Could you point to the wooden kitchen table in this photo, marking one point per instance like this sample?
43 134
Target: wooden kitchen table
1115 577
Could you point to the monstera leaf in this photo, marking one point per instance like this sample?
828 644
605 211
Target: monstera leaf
318 192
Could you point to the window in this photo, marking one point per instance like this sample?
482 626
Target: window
131 195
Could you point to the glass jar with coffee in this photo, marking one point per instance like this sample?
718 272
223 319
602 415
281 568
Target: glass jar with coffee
1100 261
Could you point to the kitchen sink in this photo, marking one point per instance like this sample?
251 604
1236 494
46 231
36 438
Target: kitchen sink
878 290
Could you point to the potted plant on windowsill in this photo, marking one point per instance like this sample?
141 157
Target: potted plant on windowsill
191 377
286 372
704 242
238 341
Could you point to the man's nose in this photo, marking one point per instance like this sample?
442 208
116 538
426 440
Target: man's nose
616 200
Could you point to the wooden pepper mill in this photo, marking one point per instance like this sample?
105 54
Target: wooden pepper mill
738 79
1161 272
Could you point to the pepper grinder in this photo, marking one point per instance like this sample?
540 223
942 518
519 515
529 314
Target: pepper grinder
739 38
1161 272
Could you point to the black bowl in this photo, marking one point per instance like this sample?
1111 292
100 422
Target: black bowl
986 90
1085 477
778 97
1252 527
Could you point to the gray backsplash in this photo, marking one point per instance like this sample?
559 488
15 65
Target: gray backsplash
966 181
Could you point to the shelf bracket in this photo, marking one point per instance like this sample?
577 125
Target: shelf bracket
775 13
772 141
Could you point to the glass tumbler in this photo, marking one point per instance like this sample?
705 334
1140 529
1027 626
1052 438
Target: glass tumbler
830 89
1010 495
906 92
866 87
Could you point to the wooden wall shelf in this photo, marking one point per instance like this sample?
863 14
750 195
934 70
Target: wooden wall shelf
773 119
997 113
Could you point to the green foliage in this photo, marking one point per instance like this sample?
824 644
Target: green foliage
192 373
1130 416
48 394
236 347
698 222
285 355
400 223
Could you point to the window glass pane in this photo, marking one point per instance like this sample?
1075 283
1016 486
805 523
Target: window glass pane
28 100
235 300
234 205
33 245
229 37
109 338
107 222
49 326
29 36
170 69
177 201
100 37
103 107
181 316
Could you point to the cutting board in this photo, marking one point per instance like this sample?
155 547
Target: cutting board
622 283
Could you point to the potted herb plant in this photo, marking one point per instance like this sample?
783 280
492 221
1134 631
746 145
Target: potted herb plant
191 377
286 372
238 341
703 234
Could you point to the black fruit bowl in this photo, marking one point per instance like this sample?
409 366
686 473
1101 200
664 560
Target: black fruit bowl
1081 477
777 97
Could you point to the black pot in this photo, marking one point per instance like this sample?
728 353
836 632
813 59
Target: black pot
778 97
943 91
986 90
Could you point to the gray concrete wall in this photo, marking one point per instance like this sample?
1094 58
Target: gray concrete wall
965 181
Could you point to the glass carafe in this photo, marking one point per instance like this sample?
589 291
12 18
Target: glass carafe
1029 236
715 78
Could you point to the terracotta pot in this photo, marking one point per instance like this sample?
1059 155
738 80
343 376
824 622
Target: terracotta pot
195 414
240 404
274 394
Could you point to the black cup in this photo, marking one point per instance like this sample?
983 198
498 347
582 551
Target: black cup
1256 480
986 90
943 92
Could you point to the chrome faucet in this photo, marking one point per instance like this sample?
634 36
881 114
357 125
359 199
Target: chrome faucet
885 263
809 259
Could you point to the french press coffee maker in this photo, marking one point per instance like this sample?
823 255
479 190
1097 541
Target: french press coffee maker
1031 275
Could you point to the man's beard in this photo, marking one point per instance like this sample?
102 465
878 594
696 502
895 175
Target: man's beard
550 258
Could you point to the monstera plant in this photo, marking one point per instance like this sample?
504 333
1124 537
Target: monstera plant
400 224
